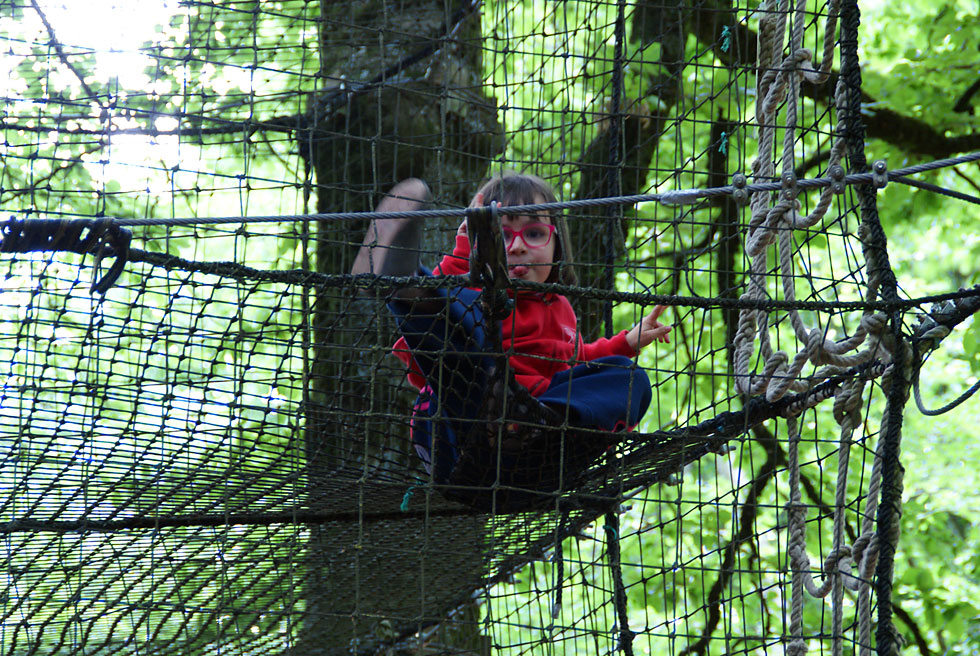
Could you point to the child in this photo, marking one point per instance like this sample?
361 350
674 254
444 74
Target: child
537 417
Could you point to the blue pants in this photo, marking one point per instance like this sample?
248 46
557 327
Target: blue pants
453 349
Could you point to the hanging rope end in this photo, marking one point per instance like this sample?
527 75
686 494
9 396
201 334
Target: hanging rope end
101 237
115 241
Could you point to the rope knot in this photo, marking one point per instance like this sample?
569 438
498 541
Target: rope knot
847 402
777 376
815 344
799 560
799 63
837 560
866 553
935 334
100 237
874 324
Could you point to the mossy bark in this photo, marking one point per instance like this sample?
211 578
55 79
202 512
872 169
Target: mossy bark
384 113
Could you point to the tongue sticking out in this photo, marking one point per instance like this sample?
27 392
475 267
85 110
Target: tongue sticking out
518 271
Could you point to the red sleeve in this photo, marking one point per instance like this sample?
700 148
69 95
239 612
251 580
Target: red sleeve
458 263
401 351
615 345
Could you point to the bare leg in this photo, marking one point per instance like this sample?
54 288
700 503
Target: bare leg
391 246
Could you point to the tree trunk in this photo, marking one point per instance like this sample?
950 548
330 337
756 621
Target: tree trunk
381 117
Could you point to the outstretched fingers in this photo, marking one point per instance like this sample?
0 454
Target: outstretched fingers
652 330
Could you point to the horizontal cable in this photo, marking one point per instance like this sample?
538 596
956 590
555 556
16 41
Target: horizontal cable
952 193
679 197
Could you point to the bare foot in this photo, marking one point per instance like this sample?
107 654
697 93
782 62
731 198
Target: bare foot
391 246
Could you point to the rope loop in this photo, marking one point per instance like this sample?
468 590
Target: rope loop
101 237
867 555
928 412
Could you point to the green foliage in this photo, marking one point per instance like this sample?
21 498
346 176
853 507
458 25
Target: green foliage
920 67
675 537
941 574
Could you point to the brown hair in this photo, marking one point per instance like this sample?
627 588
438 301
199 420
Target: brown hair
525 189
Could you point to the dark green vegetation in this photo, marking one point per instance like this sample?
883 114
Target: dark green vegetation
248 108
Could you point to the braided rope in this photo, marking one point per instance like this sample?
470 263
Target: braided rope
772 225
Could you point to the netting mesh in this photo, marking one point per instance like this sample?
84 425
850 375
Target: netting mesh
214 455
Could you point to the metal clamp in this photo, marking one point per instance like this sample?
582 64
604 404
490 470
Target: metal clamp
790 190
680 197
879 174
837 175
741 194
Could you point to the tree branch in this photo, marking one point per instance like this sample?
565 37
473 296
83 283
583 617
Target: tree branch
965 178
56 44
963 104
746 531
285 124
905 132
907 620
914 135
816 159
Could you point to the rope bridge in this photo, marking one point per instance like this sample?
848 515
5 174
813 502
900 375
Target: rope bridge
205 438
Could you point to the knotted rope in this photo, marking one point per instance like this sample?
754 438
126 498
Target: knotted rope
100 237
488 261
772 224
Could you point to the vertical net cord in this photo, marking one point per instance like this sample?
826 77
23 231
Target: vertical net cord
897 383
614 214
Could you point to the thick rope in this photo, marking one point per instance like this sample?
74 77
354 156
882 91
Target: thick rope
772 225
100 237
306 278
488 266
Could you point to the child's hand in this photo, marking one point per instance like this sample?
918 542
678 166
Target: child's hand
649 330
476 202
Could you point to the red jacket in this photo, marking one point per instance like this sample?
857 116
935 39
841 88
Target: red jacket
541 334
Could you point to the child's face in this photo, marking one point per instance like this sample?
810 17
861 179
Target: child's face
523 261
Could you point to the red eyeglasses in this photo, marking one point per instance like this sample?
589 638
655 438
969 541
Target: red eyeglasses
534 235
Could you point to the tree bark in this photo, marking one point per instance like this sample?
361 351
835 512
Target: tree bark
393 106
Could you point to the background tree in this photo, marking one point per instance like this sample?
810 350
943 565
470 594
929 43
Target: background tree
330 103
401 96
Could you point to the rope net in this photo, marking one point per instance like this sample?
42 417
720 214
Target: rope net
213 452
